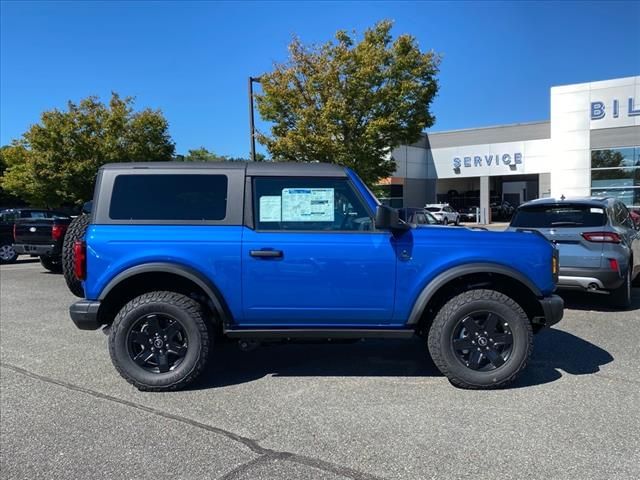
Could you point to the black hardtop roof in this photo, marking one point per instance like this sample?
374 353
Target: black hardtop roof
251 168
586 201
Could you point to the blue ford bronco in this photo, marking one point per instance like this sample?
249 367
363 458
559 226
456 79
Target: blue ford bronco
175 254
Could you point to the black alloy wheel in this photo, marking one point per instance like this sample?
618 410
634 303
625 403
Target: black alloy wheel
160 341
157 342
482 341
480 338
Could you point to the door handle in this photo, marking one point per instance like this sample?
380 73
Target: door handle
266 253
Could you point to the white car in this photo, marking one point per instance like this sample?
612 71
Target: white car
443 213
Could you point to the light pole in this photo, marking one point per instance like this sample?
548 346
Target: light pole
252 128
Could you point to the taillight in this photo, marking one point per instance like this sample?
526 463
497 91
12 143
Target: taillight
613 264
602 237
57 232
80 259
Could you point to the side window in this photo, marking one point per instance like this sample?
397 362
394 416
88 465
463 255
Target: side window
419 219
308 204
170 197
625 218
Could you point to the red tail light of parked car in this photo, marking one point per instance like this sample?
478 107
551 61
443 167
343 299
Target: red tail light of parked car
80 260
601 237
57 232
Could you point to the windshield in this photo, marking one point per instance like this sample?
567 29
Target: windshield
433 209
557 216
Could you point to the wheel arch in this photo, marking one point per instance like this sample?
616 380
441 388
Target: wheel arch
447 284
147 277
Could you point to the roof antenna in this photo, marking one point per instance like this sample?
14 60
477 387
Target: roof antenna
562 197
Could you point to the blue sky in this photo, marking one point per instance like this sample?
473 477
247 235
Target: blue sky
192 59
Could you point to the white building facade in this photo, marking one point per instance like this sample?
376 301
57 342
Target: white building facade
590 146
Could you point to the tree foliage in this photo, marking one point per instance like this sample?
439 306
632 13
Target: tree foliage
203 155
55 162
349 102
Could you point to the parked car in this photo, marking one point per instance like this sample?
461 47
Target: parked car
176 253
417 216
42 236
502 210
598 242
8 219
469 214
443 213
7 252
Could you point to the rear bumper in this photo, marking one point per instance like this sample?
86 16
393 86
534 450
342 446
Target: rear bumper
553 308
26 249
84 314
589 279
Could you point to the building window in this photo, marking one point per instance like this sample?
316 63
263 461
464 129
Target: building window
616 173
391 195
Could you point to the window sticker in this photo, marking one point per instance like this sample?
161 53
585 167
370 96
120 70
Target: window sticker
596 210
270 208
308 204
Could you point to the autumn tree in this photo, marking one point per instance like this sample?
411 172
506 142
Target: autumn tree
349 102
55 161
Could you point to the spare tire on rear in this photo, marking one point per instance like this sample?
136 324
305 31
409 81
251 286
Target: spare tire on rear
76 231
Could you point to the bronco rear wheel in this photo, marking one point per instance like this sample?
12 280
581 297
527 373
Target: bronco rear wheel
76 231
160 341
480 339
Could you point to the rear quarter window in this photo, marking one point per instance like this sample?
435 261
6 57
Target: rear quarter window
169 197
555 216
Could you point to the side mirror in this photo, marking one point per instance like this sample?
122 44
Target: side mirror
86 208
387 219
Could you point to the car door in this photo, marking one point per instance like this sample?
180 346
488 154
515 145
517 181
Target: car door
313 257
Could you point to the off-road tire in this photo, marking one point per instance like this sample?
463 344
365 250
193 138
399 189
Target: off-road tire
440 339
184 309
9 255
53 264
621 296
76 231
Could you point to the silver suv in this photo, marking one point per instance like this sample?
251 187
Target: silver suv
443 213
599 243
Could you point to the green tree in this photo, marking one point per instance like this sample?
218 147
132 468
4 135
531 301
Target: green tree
55 162
203 155
349 102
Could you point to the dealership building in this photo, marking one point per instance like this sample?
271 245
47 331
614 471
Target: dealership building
590 146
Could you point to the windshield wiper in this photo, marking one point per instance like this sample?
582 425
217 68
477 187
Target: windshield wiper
559 224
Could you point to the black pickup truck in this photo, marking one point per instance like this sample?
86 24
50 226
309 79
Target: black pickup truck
42 236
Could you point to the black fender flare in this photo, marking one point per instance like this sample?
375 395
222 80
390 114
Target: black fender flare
184 271
461 270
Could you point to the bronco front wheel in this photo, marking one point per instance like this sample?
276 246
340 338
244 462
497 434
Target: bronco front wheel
480 339
160 341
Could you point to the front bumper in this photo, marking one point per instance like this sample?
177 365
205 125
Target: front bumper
26 249
84 314
553 308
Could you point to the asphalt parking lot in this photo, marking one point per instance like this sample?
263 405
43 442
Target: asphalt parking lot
375 409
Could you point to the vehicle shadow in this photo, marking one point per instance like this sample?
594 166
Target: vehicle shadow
597 302
554 351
